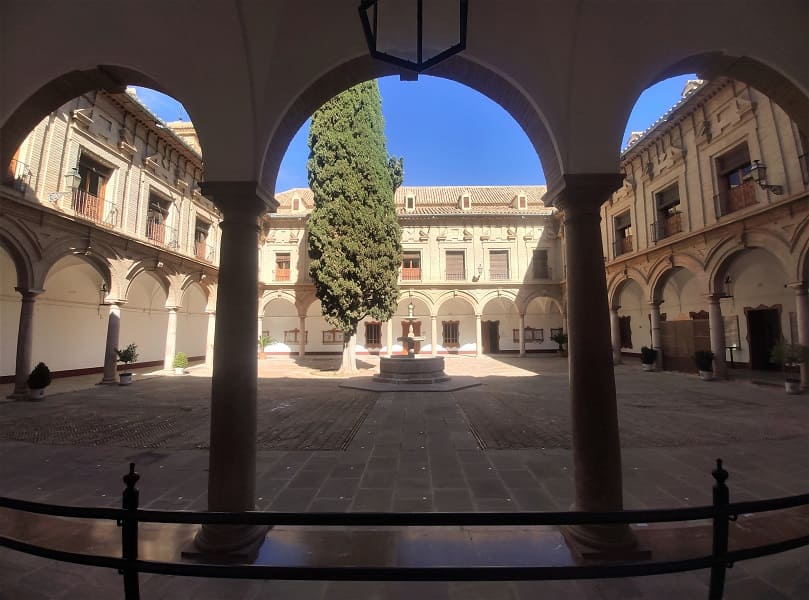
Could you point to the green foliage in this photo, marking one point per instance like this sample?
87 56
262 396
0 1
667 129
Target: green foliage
789 355
648 355
127 355
559 338
265 341
396 170
704 360
180 360
354 238
40 377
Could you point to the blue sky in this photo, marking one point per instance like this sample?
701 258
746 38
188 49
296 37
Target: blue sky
448 133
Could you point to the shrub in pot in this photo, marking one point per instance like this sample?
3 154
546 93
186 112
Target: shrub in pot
561 339
648 356
704 361
38 380
790 357
263 342
127 356
180 363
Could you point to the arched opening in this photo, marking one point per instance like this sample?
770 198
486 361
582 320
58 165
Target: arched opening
72 295
280 321
542 321
683 307
499 320
144 318
456 326
421 326
633 314
192 323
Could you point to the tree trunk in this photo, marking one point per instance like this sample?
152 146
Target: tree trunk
349 364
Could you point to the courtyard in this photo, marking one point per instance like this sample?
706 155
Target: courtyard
501 446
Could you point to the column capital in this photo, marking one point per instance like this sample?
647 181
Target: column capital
239 200
654 303
799 287
715 298
27 293
584 192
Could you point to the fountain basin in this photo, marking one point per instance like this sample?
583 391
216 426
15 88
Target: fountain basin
405 369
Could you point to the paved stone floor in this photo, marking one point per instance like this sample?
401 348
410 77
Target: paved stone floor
502 446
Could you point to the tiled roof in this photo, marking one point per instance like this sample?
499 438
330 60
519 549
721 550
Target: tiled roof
444 200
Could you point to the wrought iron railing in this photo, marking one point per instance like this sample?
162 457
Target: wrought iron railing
622 246
411 273
666 227
721 513
498 275
735 198
282 274
160 233
455 276
93 208
204 250
18 175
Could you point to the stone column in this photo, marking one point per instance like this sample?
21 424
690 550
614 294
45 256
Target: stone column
717 327
25 337
596 441
209 340
171 339
478 336
389 335
522 334
232 456
302 339
615 329
654 308
802 315
433 335
110 355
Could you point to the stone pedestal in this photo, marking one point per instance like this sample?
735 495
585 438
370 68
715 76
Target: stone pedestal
404 369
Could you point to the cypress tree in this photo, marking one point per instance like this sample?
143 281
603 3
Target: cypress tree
354 238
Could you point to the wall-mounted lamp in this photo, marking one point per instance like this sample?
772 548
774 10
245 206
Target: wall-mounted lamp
72 183
102 293
480 273
758 170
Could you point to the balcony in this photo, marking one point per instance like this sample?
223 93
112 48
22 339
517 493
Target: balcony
455 276
204 251
736 198
93 208
623 246
498 275
666 227
160 233
282 274
411 273
18 176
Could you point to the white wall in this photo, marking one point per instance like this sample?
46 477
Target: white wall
9 314
192 323
144 318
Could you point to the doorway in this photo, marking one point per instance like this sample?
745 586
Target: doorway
763 333
490 335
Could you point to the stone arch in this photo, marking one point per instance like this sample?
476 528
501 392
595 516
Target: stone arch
194 281
663 268
616 285
459 68
23 249
56 92
421 295
800 250
288 295
450 295
494 294
91 252
718 259
524 300
139 269
755 72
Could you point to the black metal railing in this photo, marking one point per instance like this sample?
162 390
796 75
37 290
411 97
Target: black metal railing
721 512
666 227
18 175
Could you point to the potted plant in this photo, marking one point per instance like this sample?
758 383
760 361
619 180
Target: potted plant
127 356
561 339
38 380
263 342
648 357
790 357
704 361
180 363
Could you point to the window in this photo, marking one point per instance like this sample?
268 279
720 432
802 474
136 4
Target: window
737 190
373 335
296 204
449 331
410 203
667 208
291 336
465 201
541 269
498 264
530 335
623 234
201 249
88 198
156 217
282 263
456 265
411 265
522 202
555 331
333 336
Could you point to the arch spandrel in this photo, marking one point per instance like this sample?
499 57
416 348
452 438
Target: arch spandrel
721 255
287 295
616 284
665 266
456 295
526 296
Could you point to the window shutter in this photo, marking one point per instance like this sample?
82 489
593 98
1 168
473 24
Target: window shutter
455 262
498 261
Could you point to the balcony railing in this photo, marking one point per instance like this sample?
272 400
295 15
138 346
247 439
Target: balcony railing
204 250
93 208
498 275
454 276
438 566
622 246
666 227
411 273
736 198
17 176
162 234
282 274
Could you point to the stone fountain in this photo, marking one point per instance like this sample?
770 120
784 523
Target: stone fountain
406 369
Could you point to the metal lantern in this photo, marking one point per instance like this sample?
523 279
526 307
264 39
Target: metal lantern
73 179
414 34
758 170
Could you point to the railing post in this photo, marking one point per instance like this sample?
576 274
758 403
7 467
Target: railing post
721 499
129 534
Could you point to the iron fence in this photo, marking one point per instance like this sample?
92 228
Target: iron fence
721 512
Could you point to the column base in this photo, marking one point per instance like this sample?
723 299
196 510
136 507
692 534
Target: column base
603 542
108 382
18 396
237 543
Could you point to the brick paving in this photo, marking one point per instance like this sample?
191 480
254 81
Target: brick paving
502 446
